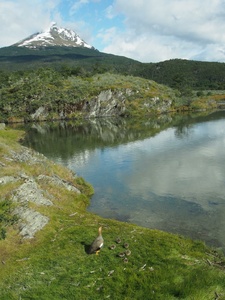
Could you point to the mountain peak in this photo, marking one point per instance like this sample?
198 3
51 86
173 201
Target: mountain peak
53 36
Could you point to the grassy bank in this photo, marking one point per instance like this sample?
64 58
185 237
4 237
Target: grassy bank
55 264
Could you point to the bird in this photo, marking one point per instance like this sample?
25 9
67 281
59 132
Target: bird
118 240
121 254
112 247
97 244
126 245
128 252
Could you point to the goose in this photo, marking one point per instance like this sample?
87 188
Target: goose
121 254
126 245
112 247
118 240
97 243
128 252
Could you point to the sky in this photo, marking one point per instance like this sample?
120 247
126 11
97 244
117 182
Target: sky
144 30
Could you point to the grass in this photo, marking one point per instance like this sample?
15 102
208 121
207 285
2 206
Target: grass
55 265
23 94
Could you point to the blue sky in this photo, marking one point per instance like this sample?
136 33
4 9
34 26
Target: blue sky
145 30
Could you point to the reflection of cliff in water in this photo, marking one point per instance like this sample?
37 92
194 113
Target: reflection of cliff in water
63 139
164 173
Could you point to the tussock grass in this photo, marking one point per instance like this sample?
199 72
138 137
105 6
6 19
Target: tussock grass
55 264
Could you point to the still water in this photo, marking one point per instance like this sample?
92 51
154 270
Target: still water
166 173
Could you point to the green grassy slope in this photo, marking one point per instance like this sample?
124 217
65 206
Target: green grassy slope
55 265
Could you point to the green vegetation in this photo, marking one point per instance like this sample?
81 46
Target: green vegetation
55 265
180 74
57 91
6 217
77 60
62 79
186 74
22 93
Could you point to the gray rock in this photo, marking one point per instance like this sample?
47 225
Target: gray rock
30 192
40 113
8 179
30 221
2 126
60 182
28 156
107 103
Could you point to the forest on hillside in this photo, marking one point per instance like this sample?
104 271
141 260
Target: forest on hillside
180 74
60 78
185 74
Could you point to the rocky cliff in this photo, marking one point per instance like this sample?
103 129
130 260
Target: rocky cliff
108 103
47 95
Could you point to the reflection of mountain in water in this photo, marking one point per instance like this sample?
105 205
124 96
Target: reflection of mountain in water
63 139
165 173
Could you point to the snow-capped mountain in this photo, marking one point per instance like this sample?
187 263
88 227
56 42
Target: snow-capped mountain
53 36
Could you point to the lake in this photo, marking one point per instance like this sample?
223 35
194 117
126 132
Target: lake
164 173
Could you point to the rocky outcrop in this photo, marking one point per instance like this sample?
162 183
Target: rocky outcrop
107 104
29 191
30 222
2 126
41 112
26 155
59 182
157 104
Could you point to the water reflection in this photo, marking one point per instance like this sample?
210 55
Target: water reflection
166 173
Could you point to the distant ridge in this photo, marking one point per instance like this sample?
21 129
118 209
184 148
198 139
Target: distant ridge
61 49
53 36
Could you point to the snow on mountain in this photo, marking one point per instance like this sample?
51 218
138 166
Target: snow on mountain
53 36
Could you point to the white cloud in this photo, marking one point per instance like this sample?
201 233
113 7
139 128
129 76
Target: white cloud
160 29
110 13
145 30
18 19
147 48
189 19
77 5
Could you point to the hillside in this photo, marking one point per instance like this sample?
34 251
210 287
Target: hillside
176 73
57 75
46 94
50 260
180 74
15 58
58 48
